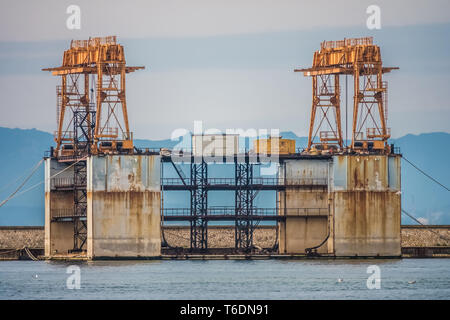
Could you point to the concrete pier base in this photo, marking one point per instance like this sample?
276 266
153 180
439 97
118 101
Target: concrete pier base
366 205
124 201
123 207
360 197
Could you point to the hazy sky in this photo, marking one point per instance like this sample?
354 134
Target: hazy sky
228 63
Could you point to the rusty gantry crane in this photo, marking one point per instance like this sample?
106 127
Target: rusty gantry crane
92 115
88 111
361 59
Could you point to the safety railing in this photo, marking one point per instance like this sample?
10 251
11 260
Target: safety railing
67 213
328 136
255 181
174 181
65 135
346 42
93 42
304 211
377 132
396 150
109 132
221 211
233 211
306 182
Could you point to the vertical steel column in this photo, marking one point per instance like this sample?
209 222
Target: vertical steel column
325 111
369 120
244 196
199 205
83 121
80 205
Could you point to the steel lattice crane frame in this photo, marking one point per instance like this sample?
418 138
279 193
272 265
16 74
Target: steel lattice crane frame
104 59
360 58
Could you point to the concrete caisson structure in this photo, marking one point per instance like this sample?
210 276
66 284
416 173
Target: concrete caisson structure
123 207
366 205
304 203
352 205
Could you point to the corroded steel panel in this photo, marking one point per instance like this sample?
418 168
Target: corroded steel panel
305 170
125 173
339 173
357 172
394 173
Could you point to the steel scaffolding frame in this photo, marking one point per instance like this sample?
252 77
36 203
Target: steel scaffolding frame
80 206
244 197
199 206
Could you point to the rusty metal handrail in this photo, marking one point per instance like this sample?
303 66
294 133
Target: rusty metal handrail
69 135
372 132
93 42
65 213
346 42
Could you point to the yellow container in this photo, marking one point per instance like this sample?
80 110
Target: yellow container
274 146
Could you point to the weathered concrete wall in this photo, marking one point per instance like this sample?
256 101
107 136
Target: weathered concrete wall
19 237
303 232
58 235
306 180
366 205
124 201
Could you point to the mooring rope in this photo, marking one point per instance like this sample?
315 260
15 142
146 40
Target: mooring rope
28 252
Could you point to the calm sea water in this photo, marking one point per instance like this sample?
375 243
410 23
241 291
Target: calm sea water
267 279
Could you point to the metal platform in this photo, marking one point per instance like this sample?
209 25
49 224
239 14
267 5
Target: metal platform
257 183
230 214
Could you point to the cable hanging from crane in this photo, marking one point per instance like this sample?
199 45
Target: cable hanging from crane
16 193
434 180
418 221
12 183
23 183
425 174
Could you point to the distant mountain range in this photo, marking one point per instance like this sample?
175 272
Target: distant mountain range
22 149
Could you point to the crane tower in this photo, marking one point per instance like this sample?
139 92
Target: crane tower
361 59
92 113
